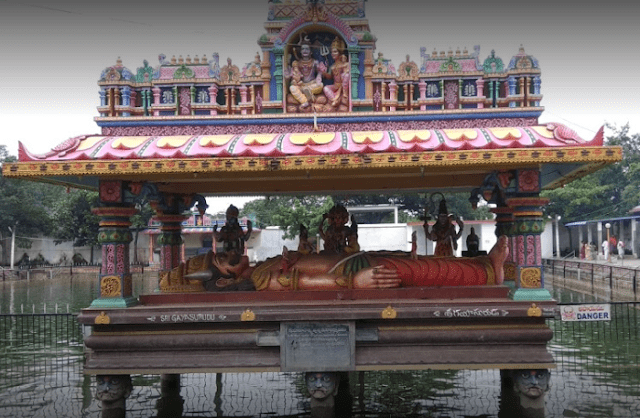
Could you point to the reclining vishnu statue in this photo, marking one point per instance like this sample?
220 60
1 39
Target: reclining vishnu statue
334 270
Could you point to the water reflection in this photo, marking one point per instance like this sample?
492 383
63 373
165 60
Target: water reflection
597 373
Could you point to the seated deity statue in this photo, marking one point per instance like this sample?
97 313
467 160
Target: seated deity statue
296 75
473 243
304 245
360 270
337 236
307 78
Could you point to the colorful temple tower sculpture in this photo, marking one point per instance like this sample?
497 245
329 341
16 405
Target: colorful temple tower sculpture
319 58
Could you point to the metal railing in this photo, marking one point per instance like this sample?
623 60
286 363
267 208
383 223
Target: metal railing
616 281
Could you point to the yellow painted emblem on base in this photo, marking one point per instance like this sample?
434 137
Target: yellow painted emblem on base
102 319
534 310
248 315
389 313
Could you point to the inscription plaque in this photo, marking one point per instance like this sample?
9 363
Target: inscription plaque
317 346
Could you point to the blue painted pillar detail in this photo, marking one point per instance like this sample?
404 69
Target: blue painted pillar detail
536 88
512 90
126 99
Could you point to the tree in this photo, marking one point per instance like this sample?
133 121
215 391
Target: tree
74 220
24 207
289 212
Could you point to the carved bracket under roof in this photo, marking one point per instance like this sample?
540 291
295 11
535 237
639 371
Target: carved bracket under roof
494 188
167 203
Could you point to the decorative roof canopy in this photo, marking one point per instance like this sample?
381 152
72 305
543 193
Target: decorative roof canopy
319 162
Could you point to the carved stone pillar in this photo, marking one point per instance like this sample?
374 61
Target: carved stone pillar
114 236
528 225
170 240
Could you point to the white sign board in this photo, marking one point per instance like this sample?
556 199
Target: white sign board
595 312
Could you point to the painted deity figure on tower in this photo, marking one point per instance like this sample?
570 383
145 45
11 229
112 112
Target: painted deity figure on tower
306 90
444 231
338 92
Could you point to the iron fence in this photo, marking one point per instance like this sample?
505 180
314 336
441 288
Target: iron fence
598 366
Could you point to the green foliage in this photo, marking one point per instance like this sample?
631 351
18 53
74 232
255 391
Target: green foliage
25 206
289 212
74 220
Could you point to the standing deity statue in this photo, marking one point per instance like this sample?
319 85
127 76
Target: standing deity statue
231 234
444 232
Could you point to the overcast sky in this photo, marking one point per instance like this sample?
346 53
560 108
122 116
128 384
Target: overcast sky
53 52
